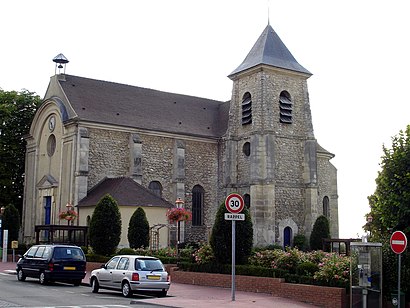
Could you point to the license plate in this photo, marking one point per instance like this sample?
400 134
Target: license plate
151 277
69 268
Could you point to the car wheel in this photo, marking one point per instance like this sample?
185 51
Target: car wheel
95 286
20 275
42 278
77 282
162 294
126 289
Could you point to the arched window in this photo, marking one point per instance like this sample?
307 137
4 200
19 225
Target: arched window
285 108
246 148
197 205
287 237
246 109
247 200
326 210
156 188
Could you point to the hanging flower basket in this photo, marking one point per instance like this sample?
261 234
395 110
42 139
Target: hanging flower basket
68 215
178 214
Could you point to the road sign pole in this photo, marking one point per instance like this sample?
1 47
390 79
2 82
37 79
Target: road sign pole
398 243
234 204
233 259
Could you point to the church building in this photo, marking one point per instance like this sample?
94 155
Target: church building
148 148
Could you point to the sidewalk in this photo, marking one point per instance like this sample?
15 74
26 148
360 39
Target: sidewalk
185 295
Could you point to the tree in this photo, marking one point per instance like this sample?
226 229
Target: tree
11 222
138 229
319 232
390 208
221 237
17 110
105 226
390 203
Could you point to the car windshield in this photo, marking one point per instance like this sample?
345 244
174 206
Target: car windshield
149 265
62 253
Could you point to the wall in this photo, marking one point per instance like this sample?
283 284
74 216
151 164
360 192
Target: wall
317 295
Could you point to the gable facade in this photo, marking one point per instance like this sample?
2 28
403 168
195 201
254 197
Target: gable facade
260 144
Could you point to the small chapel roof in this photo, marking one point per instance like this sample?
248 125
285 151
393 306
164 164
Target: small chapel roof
270 50
142 108
125 191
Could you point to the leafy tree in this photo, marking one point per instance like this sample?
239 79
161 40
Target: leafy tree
105 226
390 209
221 237
138 229
390 203
319 232
11 222
17 110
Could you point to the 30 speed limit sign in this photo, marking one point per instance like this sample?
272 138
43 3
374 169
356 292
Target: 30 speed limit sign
234 203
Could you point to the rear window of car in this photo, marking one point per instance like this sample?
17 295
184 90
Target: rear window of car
68 253
149 265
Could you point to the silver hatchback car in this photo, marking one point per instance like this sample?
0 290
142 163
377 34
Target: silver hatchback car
131 273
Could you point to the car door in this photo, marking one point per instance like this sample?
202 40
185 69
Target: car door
120 272
27 262
39 263
105 274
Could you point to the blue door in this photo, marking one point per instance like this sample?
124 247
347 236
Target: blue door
47 207
287 237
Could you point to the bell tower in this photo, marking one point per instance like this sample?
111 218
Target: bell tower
270 149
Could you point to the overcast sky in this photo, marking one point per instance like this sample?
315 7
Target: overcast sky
358 52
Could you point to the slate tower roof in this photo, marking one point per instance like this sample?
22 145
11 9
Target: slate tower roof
270 50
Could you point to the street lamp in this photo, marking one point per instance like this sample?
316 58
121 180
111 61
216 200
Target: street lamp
178 203
1 226
369 222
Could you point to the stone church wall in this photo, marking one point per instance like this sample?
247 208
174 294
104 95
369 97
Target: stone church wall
108 155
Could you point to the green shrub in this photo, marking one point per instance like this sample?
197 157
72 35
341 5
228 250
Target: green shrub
319 232
307 268
299 241
289 260
265 258
221 237
92 257
204 254
334 270
103 239
138 229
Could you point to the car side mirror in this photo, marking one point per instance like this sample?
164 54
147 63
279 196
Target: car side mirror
104 266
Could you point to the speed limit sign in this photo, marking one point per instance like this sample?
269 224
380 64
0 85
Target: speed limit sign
234 203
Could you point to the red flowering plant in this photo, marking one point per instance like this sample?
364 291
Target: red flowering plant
178 214
68 215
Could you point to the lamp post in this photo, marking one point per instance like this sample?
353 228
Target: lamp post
369 222
1 227
178 204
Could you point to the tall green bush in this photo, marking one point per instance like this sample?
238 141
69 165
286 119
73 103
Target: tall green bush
11 222
138 229
105 226
319 232
221 237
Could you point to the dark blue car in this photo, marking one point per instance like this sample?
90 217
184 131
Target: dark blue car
48 263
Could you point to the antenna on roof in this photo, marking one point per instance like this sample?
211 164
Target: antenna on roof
268 12
60 61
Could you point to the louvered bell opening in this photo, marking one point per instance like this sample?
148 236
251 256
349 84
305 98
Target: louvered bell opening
247 111
247 117
285 109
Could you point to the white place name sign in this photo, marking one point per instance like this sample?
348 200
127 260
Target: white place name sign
229 216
